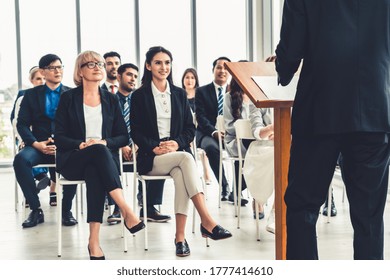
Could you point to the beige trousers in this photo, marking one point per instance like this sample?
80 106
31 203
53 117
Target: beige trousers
182 167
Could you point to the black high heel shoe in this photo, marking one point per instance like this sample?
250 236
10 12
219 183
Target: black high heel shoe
217 233
92 258
135 228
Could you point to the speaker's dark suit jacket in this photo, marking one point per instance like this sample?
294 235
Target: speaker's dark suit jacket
143 122
33 124
344 83
70 124
206 105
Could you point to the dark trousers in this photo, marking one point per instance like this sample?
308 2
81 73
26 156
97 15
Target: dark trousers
365 168
23 163
154 188
211 147
100 170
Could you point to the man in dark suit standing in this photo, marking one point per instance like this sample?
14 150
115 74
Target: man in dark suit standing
36 128
209 104
342 105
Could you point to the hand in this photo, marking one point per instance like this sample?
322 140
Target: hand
127 153
91 142
45 147
267 132
171 145
160 151
216 135
83 145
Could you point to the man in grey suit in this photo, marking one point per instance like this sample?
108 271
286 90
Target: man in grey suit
342 105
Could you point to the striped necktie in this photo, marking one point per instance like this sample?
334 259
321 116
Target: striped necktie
220 101
126 113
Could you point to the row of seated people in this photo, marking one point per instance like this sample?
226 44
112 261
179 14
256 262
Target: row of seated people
89 128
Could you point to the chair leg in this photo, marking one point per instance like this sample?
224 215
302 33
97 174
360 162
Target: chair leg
59 217
257 220
16 195
145 207
220 182
329 203
239 193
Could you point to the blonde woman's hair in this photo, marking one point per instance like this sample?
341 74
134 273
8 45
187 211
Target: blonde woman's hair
82 58
32 73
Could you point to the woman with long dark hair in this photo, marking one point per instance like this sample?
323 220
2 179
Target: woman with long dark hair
162 127
238 106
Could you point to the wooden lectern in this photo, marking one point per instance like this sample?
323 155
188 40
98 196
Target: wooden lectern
242 73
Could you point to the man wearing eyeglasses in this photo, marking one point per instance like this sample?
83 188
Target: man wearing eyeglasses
36 127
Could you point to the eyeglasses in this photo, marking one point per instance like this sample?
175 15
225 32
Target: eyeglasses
53 68
92 64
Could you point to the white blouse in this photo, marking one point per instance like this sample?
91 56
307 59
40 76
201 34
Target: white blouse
93 122
162 102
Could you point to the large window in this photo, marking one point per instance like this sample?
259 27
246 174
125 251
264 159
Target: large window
8 74
167 24
48 26
221 30
108 26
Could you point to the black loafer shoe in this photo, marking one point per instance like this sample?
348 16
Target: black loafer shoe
182 249
36 217
153 215
224 196
115 218
68 219
261 215
217 233
139 199
43 183
243 200
333 211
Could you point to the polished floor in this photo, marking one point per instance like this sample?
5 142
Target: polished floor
40 242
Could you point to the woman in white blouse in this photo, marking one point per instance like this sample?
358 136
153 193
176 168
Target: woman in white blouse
237 105
162 127
89 131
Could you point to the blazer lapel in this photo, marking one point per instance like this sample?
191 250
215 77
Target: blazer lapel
79 101
175 105
152 106
213 97
42 99
105 112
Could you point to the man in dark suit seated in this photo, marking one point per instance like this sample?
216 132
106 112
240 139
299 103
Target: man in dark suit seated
209 104
112 61
127 78
36 127
342 105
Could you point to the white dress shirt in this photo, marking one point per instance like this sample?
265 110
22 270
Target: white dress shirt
163 110
93 122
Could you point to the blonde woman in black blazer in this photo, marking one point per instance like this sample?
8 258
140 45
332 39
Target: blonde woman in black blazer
89 131
162 127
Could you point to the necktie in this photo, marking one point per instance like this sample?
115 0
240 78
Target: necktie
112 88
126 113
220 101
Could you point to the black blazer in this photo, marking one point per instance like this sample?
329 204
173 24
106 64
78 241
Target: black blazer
104 87
344 83
206 105
33 124
70 124
143 122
